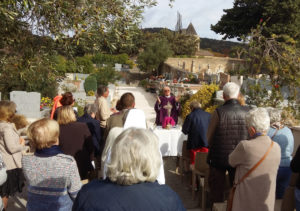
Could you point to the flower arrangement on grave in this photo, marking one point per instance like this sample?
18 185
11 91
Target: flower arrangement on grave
46 102
205 96
91 93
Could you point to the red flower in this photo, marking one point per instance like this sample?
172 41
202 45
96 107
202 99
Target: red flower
261 20
276 86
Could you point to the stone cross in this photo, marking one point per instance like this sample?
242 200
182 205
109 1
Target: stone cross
169 108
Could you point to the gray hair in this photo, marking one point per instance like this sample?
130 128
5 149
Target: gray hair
259 119
90 108
194 104
275 115
231 90
135 157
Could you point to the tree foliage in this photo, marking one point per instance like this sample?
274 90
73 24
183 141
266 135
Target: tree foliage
283 17
32 32
155 53
180 44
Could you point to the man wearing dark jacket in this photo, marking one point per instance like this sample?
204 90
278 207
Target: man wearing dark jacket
195 126
226 129
93 125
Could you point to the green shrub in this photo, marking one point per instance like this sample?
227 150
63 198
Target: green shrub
204 96
71 66
111 59
60 64
90 83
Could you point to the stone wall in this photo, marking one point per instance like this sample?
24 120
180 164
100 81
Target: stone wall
208 64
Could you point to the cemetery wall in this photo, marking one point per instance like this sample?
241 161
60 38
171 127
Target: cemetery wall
208 64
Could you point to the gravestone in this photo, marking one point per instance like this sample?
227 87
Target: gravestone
118 67
28 103
81 86
69 76
224 78
219 97
193 66
237 79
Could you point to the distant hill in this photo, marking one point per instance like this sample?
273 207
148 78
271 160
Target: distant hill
220 46
155 29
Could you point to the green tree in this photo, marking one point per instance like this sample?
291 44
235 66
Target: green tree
32 30
155 53
106 75
283 17
278 58
184 44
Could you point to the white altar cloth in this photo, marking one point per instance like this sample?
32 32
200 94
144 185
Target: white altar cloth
170 140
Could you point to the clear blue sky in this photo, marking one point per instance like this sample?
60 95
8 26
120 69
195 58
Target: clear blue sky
202 13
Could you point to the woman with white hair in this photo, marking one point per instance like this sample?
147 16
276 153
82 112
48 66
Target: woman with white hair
284 137
256 162
131 183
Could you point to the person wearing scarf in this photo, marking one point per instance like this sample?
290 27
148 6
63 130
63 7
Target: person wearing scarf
53 177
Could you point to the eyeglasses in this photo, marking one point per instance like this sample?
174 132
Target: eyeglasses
166 90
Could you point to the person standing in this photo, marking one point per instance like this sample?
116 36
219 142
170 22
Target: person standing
53 178
127 102
283 136
76 140
11 147
131 183
257 190
195 126
93 124
161 109
226 129
103 112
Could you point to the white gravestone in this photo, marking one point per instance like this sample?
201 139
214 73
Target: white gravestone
28 103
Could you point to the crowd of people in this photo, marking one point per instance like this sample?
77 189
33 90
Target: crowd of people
114 152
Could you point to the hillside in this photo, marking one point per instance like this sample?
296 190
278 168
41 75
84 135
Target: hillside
220 46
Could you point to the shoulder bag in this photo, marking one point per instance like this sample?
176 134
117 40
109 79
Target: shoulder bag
232 191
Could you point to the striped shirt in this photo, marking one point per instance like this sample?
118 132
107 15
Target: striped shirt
53 181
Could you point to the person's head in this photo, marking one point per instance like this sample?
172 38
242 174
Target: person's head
257 121
231 91
102 91
127 100
135 157
7 110
167 91
43 133
65 115
275 115
90 109
67 99
119 106
194 105
20 121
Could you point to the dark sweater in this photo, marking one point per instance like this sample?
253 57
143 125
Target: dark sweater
195 125
107 196
94 127
75 139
